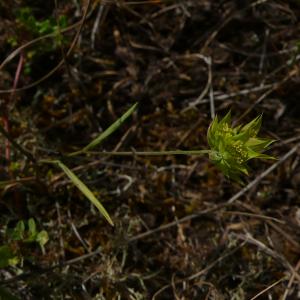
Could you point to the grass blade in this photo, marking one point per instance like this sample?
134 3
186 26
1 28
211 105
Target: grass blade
85 190
113 127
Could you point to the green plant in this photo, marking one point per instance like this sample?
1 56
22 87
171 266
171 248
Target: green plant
24 232
29 234
29 26
231 149
26 18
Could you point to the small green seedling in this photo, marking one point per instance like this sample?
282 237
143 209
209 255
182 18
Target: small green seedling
26 18
23 232
29 234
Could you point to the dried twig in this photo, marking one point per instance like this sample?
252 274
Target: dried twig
277 256
291 281
268 288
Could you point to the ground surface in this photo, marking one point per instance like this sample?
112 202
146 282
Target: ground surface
182 231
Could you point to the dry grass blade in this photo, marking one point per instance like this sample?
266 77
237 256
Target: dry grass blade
85 190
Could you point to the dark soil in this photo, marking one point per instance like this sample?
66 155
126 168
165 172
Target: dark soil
177 234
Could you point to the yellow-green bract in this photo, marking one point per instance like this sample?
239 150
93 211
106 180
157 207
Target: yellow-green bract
232 147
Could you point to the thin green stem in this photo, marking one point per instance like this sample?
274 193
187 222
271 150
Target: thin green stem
48 161
151 153
76 153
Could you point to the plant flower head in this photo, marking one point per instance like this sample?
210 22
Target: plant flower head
232 147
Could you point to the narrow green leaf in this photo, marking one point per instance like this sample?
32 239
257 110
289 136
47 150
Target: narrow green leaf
211 131
253 154
18 231
113 127
31 228
253 126
225 120
259 144
85 190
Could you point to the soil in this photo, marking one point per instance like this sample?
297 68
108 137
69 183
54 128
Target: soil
181 230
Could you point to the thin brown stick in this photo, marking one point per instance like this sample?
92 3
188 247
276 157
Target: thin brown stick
32 42
268 288
258 216
291 281
264 248
10 104
267 93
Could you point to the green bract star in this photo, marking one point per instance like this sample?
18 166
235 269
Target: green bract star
232 147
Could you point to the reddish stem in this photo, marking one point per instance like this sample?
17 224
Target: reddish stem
11 101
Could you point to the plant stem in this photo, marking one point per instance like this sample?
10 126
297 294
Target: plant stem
48 161
151 153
